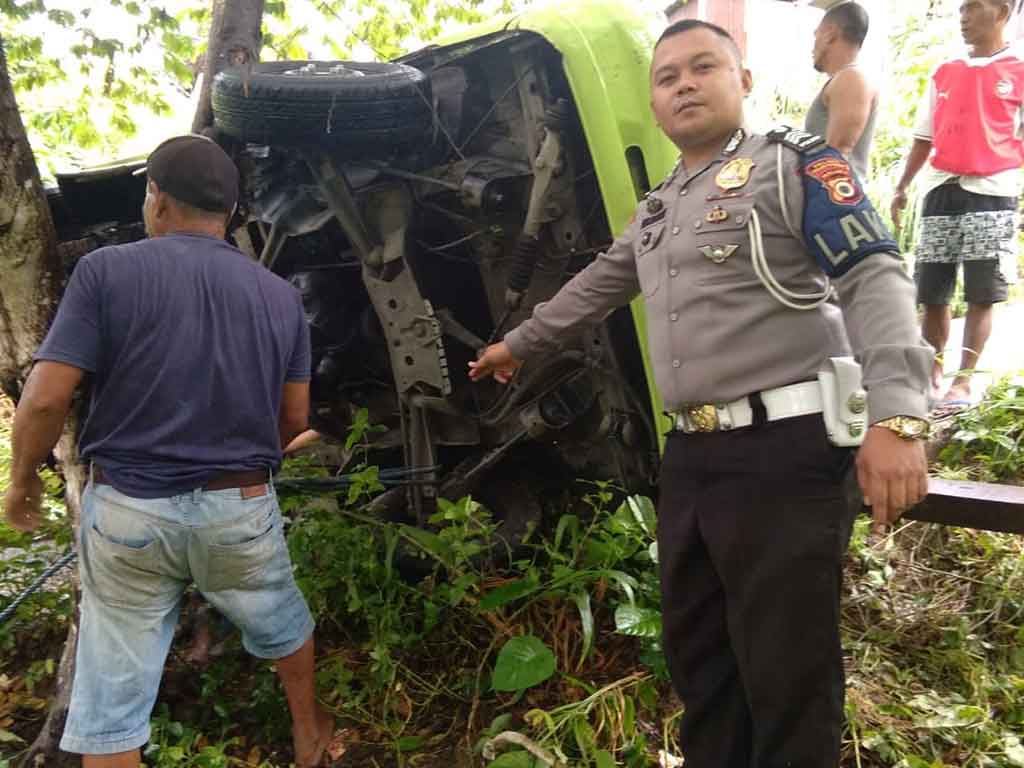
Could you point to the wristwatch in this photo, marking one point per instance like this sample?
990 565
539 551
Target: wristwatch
907 427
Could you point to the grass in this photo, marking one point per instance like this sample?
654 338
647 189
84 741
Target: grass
985 440
932 627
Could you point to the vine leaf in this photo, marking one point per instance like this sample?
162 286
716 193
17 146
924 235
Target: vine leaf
524 662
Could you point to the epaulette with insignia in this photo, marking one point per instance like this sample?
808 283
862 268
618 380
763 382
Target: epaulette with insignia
801 141
735 142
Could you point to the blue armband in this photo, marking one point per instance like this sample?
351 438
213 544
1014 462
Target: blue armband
841 228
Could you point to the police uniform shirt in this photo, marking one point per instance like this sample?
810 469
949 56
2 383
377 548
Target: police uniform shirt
715 332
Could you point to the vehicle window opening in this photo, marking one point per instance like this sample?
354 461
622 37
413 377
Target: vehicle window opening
638 171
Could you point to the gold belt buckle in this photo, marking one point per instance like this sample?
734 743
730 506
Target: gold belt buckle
703 418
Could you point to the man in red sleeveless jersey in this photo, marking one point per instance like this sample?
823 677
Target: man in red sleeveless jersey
969 134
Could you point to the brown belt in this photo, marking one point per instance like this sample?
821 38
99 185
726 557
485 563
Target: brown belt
220 482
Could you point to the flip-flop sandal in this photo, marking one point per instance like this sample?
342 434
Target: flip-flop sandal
949 407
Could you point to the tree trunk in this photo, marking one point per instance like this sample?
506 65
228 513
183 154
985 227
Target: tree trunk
30 270
30 288
32 281
235 41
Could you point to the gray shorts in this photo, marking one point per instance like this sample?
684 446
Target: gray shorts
136 557
979 231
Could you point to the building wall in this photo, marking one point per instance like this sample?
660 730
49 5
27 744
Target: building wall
729 14
732 16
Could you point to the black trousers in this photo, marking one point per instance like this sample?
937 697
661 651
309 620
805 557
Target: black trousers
752 529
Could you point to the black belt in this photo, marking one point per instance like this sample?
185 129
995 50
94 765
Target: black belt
219 482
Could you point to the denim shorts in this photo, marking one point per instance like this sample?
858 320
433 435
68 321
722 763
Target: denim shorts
136 557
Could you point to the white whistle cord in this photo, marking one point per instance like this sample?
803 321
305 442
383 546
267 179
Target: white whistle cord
786 297
791 299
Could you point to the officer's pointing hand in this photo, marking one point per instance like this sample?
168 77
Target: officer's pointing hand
892 472
497 361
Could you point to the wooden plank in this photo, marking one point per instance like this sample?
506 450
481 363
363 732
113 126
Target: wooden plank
968 504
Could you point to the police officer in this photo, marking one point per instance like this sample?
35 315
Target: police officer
734 254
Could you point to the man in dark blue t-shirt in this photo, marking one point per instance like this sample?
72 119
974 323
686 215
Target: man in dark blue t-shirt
199 366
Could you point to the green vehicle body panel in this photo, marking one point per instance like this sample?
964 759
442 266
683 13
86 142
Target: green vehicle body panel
606 52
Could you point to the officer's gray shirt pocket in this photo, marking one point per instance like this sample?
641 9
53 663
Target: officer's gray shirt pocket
721 239
650 261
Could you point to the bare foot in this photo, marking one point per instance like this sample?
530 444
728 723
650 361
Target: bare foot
958 392
310 748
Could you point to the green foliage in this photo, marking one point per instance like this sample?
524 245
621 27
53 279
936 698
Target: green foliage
91 81
932 623
604 728
523 663
347 574
26 556
517 759
387 30
923 35
349 567
933 626
176 745
638 622
987 438
87 79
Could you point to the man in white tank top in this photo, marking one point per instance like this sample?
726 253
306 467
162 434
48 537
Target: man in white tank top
844 111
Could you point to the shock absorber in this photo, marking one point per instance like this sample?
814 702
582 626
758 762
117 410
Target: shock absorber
546 166
524 259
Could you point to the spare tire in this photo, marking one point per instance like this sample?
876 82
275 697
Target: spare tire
377 107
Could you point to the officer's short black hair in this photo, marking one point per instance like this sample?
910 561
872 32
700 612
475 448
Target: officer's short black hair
687 25
851 19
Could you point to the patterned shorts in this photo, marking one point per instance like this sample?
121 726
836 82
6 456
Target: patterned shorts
978 230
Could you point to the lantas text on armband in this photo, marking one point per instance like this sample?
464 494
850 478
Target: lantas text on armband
860 228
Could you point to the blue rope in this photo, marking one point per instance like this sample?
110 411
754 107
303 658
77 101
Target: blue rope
7 612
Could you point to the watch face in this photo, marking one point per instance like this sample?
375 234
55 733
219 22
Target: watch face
913 427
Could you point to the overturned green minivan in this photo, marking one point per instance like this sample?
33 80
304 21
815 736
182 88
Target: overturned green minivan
423 207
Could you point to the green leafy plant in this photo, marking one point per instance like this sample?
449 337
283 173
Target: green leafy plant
602 729
523 662
176 745
987 438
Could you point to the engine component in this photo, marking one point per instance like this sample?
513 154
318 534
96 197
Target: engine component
560 407
493 186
